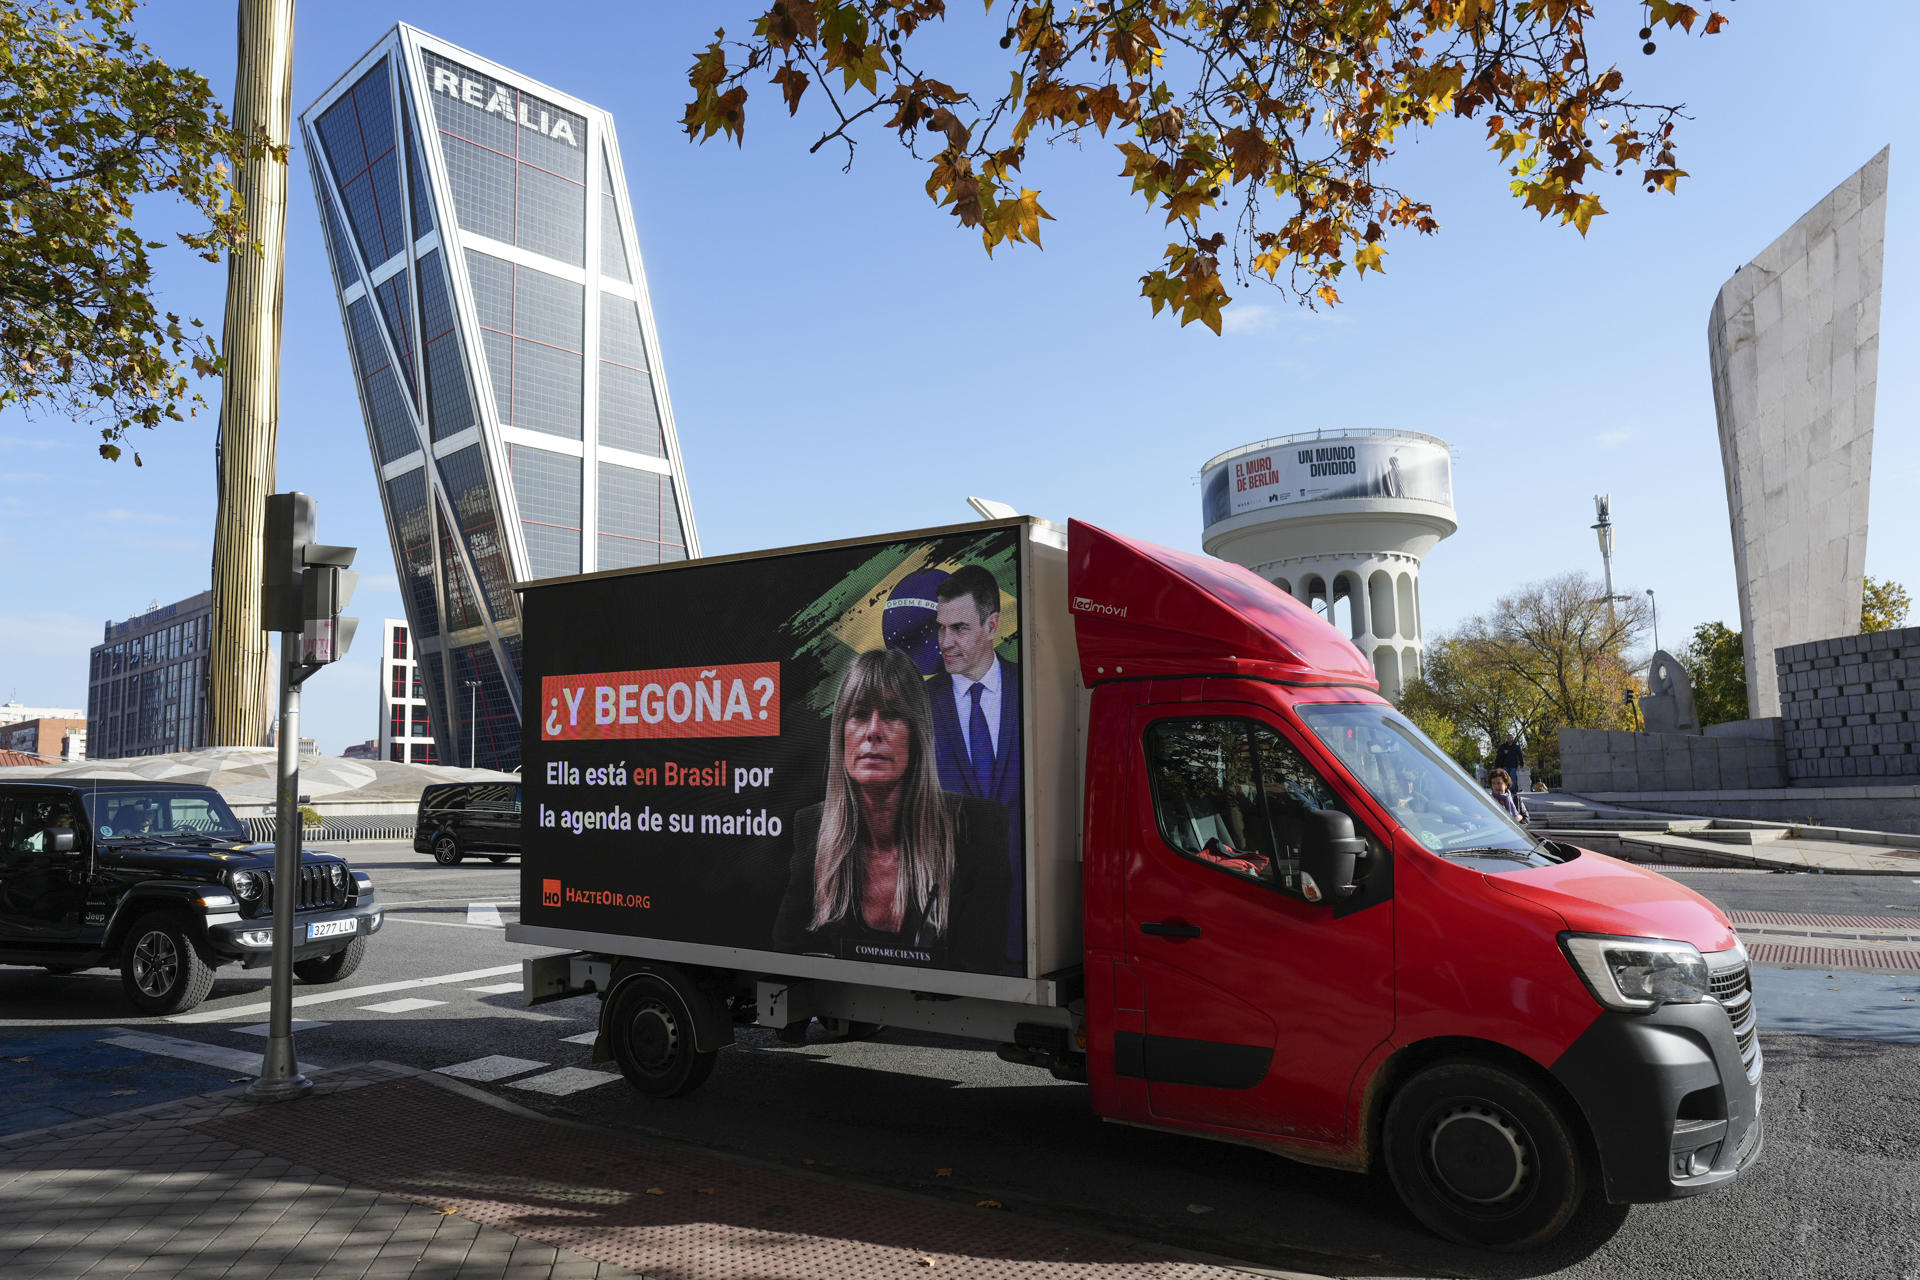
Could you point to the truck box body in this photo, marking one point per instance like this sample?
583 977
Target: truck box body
682 738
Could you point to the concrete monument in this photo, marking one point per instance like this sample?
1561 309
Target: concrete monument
1667 706
1794 340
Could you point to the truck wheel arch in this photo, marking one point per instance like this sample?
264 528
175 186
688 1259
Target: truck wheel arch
1409 1060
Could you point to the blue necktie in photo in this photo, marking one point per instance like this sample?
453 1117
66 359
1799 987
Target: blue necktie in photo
980 742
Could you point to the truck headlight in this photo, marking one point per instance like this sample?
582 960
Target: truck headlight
1638 973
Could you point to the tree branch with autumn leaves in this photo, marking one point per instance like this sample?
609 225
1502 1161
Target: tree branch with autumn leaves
1218 110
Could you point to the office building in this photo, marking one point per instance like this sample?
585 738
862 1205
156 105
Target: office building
406 731
12 712
497 321
147 682
50 737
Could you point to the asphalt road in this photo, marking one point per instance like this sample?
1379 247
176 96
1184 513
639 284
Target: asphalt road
1836 1194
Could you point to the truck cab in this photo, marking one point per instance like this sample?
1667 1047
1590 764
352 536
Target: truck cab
1306 928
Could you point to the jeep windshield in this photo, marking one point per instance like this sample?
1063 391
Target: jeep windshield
132 815
1429 795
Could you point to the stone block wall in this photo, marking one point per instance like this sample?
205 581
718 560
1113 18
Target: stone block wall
1851 707
1613 760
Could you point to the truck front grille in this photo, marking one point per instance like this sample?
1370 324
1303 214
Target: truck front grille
1732 986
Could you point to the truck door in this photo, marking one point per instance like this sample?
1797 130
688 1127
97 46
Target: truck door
41 891
1260 1004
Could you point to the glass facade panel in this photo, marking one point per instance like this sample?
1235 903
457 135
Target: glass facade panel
463 602
628 417
613 247
417 203
393 431
491 738
532 326
464 476
546 486
413 532
396 308
357 132
639 520
344 271
449 406
517 163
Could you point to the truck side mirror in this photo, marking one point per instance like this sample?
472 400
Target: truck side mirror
60 840
1328 851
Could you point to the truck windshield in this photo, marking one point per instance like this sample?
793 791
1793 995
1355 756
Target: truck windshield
1431 797
127 815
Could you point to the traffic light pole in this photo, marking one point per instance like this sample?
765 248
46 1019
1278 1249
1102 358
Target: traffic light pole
280 1079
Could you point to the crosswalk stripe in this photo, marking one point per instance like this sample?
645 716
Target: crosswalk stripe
266 1028
494 1066
497 989
566 1080
484 913
346 993
585 1037
212 1055
401 1006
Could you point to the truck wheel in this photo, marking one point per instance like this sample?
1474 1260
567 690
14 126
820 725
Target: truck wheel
161 967
332 968
1482 1157
650 1029
446 851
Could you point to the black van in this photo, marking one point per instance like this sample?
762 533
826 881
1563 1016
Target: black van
459 818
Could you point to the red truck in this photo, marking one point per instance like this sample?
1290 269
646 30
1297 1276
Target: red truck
1143 821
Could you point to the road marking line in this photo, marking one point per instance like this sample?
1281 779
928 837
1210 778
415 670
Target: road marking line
266 1028
442 924
193 1051
585 1037
566 1080
497 989
484 913
493 1067
400 1006
346 993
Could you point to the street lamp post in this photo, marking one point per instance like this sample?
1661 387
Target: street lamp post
1655 606
473 699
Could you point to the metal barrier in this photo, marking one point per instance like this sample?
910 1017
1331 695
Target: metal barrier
341 830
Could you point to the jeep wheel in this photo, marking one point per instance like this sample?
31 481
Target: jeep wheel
446 851
651 1031
161 967
332 968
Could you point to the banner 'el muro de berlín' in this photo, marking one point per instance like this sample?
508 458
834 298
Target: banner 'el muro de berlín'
817 752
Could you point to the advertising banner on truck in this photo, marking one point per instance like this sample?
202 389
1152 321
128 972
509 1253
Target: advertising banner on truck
817 753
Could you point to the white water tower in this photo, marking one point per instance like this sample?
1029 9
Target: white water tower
1338 520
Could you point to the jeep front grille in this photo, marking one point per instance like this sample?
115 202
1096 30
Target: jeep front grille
316 892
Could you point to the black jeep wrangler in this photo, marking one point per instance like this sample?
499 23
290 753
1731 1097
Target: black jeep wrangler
162 881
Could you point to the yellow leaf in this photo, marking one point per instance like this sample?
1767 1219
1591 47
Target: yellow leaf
943 1173
989 1204
656 1191
450 1209
1327 295
1585 212
1369 256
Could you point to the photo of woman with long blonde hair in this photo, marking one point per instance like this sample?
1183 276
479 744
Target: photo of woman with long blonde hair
888 867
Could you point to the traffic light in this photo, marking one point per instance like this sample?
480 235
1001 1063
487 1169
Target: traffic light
304 585
289 532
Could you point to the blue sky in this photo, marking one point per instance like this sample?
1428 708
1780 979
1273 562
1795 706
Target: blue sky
843 361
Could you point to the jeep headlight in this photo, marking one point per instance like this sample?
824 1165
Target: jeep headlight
1638 973
339 874
247 885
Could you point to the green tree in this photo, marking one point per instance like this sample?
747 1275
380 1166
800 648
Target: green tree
1222 106
1883 605
1462 701
90 121
1717 664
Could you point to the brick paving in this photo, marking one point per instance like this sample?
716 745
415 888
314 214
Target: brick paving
388 1172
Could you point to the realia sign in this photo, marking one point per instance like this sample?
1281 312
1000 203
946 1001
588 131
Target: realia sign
497 99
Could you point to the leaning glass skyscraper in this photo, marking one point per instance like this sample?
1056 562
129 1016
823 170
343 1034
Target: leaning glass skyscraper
498 325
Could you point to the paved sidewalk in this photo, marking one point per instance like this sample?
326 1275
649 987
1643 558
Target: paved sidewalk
389 1172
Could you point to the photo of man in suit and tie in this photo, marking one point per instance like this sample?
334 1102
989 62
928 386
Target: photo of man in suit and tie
976 721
